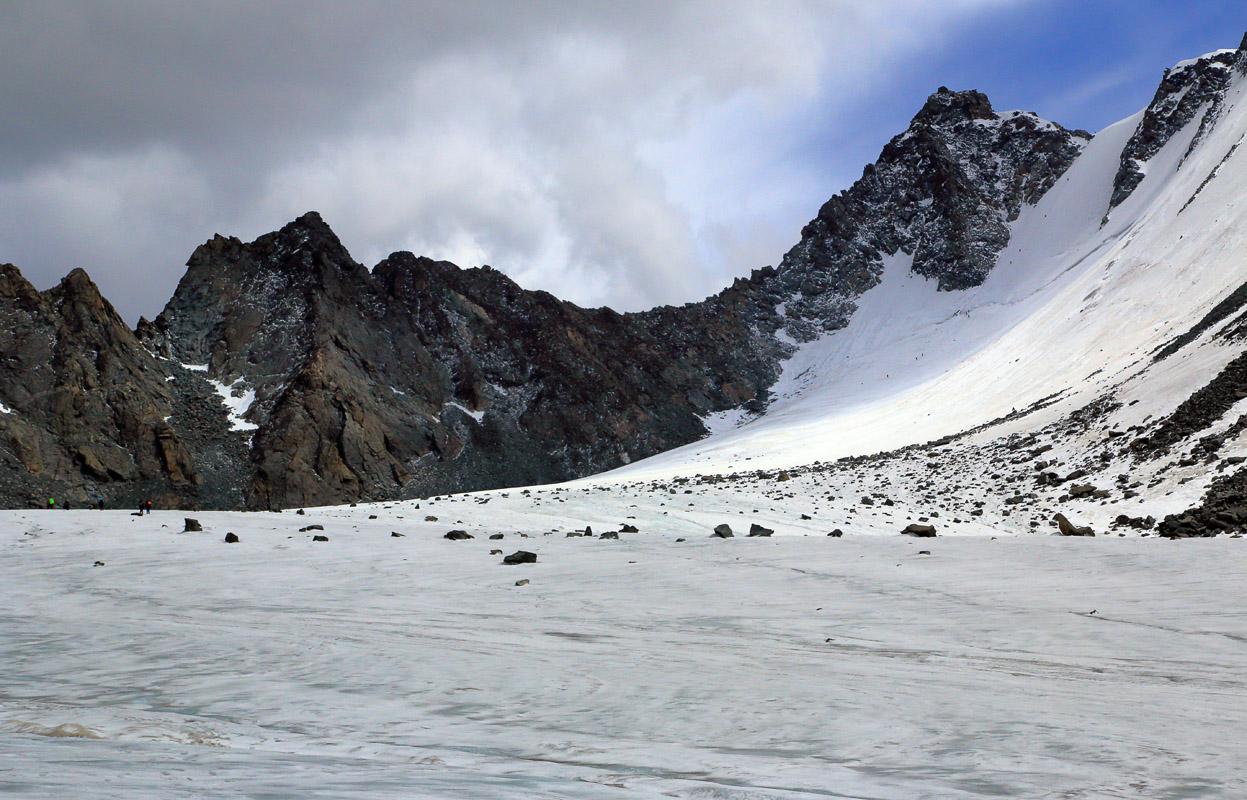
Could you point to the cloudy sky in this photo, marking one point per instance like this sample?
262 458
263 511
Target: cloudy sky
619 153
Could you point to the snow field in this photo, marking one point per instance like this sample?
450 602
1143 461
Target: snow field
797 666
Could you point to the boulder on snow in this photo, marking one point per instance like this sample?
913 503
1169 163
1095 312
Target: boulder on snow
723 531
923 531
626 528
319 538
458 536
757 530
192 526
609 535
1068 528
837 533
231 538
520 557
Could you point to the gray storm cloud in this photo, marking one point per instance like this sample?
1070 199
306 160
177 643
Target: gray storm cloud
591 149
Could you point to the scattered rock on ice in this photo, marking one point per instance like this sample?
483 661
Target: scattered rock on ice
922 531
520 557
723 531
457 536
319 538
192 525
757 530
1068 528
231 538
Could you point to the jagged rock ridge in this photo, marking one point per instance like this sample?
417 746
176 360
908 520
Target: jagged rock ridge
418 377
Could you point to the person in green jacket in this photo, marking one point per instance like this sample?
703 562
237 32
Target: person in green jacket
52 503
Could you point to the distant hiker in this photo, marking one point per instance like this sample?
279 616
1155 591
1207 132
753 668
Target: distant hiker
100 503
65 505
51 502
148 506
140 511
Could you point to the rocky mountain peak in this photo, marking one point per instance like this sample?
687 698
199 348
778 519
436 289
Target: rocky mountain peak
947 108
14 287
944 192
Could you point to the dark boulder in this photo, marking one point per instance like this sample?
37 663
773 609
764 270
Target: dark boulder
520 557
1068 528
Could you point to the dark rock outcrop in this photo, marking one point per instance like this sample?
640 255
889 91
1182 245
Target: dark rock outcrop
1184 91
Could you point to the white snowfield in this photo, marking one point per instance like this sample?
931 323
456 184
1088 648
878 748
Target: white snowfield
797 667
999 663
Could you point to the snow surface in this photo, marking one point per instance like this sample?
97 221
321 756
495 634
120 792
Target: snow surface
237 399
798 666
476 415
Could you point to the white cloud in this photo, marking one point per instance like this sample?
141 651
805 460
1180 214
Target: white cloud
613 153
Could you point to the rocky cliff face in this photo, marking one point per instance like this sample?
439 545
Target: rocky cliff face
87 412
422 377
418 377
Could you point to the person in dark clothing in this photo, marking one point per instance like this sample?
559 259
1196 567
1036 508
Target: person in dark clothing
100 504
52 503
148 505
